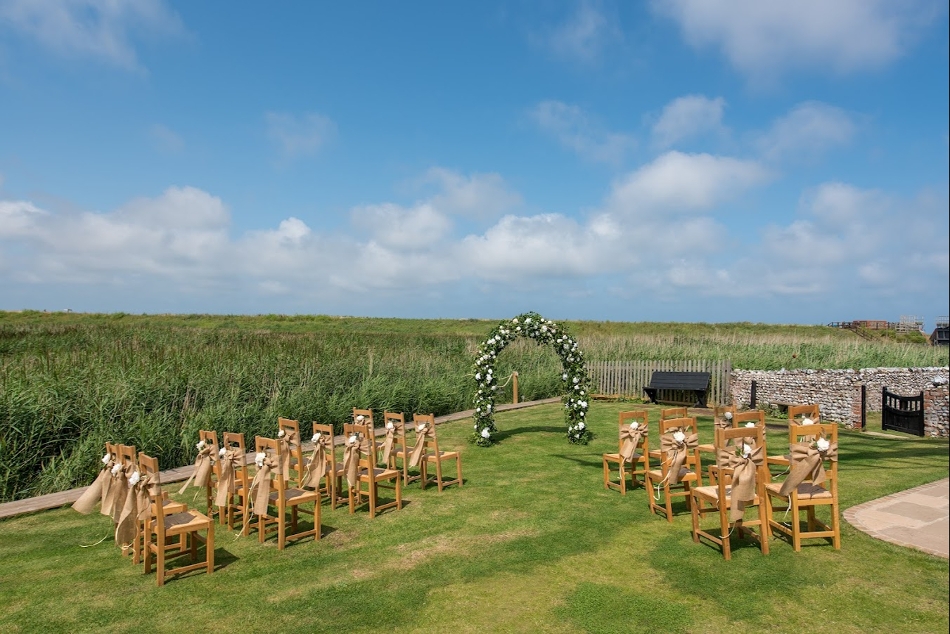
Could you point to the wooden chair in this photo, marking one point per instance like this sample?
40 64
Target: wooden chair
435 456
332 485
370 474
720 421
812 482
674 412
797 432
365 417
165 524
281 498
667 479
753 474
210 438
291 450
237 502
399 455
633 446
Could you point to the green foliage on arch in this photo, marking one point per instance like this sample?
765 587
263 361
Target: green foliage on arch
574 377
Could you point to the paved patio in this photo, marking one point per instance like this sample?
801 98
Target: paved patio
917 518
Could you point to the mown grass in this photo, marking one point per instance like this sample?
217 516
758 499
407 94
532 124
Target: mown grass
69 382
530 543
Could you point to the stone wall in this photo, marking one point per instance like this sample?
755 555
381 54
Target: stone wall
838 392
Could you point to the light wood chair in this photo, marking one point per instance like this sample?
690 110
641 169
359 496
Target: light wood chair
332 485
399 455
796 413
674 412
811 492
282 498
435 456
210 438
365 417
797 432
637 444
720 421
291 450
666 480
370 474
237 507
718 498
164 525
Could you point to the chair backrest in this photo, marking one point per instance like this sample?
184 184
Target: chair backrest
367 415
127 457
641 416
290 426
811 433
673 412
234 441
327 430
688 425
113 450
210 438
796 412
149 468
271 448
756 416
429 421
720 410
755 437
367 452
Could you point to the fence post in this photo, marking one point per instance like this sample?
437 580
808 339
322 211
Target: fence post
864 406
752 396
514 387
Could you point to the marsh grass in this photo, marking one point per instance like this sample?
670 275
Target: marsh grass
70 382
531 543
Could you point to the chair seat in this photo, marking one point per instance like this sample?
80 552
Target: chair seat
685 475
615 457
430 455
778 460
708 448
185 522
379 473
806 491
294 496
712 493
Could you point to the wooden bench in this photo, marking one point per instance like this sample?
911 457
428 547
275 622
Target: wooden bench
695 382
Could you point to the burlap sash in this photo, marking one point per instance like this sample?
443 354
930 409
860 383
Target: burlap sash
422 436
201 474
808 464
138 506
351 460
117 492
96 492
397 428
677 452
260 487
230 462
722 422
287 442
317 465
630 440
743 478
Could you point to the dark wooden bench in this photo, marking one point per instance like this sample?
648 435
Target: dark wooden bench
695 382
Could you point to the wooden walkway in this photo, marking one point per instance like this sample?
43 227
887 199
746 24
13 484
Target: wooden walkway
180 474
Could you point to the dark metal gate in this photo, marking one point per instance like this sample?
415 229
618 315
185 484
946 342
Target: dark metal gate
902 413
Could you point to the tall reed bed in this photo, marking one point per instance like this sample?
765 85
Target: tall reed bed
68 384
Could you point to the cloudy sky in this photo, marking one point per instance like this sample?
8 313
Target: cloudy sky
684 160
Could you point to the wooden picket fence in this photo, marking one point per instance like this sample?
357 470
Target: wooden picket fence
627 378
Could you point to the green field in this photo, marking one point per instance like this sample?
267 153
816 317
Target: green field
531 543
69 382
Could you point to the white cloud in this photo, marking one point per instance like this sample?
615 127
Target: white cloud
678 183
18 217
583 36
808 130
100 29
689 116
764 38
475 196
397 227
571 126
297 137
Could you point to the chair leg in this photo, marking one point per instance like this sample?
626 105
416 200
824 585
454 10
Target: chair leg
668 504
796 526
623 479
438 472
209 546
836 527
281 527
458 468
763 529
694 511
724 530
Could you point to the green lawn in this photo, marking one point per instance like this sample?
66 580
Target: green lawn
531 543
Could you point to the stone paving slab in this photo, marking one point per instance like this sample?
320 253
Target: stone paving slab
917 518
180 474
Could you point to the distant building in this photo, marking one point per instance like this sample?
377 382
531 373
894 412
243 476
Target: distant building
941 334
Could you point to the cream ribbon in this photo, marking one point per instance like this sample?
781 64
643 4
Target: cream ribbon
743 485
676 452
287 442
137 507
96 493
630 440
117 492
317 465
397 428
422 436
201 474
227 484
260 486
351 459
808 463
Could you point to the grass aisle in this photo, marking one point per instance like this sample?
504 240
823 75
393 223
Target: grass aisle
531 543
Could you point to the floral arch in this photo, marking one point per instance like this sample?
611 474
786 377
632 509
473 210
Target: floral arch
574 377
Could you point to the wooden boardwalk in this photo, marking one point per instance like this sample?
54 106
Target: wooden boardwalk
180 474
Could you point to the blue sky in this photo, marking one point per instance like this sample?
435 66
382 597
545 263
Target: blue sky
676 161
